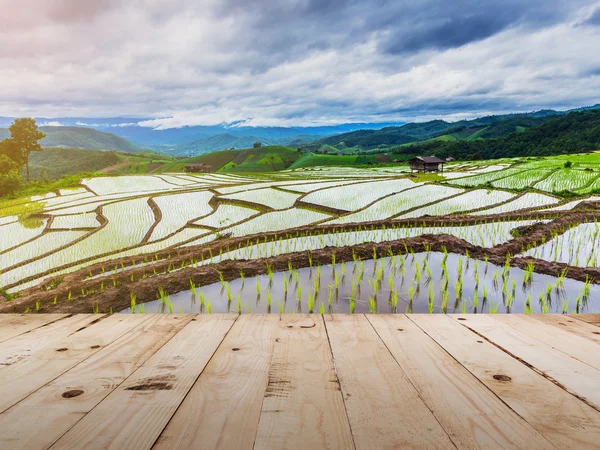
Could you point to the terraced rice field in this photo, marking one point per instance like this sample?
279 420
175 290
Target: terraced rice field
94 245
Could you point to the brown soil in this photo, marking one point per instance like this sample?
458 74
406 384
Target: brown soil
112 292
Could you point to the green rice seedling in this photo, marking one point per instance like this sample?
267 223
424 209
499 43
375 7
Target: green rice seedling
70 295
430 299
411 293
141 308
494 308
299 293
394 299
463 308
322 308
586 286
192 287
417 273
257 288
242 276
565 305
228 290
37 306
133 299
310 302
475 299
208 308
352 306
239 302
280 306
444 305
55 299
372 305
201 298
96 309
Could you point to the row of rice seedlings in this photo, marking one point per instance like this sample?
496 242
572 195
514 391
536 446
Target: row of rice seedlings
577 246
404 283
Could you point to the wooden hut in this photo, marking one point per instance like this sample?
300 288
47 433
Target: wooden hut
426 164
198 168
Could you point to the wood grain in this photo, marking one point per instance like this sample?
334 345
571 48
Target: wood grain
14 325
303 406
223 408
559 339
573 375
561 418
473 416
134 414
80 337
77 391
593 319
577 327
384 409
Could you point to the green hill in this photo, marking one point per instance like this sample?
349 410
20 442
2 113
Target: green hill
576 132
228 141
52 163
83 138
488 127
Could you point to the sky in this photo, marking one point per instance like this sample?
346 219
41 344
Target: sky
296 62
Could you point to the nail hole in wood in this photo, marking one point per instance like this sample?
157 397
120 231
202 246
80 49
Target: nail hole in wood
62 349
235 349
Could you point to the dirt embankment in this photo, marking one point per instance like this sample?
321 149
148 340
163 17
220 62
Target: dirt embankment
112 292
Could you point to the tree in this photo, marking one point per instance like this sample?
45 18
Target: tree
10 181
7 165
25 135
9 149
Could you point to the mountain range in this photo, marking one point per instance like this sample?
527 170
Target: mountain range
125 134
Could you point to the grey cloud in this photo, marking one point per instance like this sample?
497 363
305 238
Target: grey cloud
295 61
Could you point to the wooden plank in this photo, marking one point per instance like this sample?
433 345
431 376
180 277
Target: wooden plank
303 406
59 405
561 340
469 412
18 349
561 418
384 409
577 327
12 325
593 319
134 414
28 375
223 407
576 377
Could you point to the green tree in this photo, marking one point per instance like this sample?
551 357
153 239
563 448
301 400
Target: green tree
25 136
7 165
10 181
9 149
